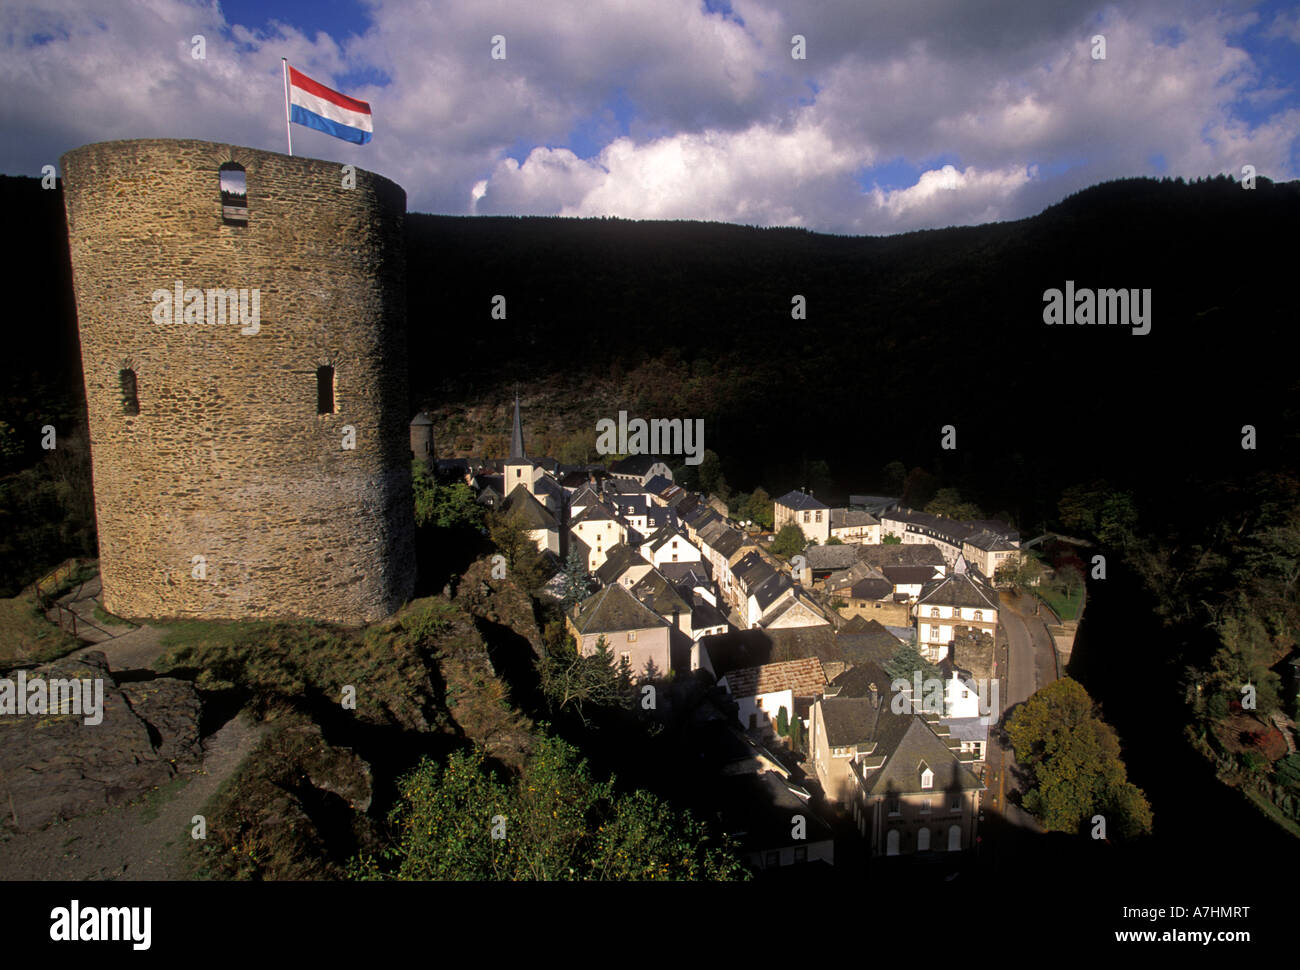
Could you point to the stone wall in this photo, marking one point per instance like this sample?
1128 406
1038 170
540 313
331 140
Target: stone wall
228 458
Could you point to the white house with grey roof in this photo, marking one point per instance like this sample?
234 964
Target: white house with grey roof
945 605
811 515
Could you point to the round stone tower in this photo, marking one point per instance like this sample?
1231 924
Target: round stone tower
242 321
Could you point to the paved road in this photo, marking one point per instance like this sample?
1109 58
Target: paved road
1031 665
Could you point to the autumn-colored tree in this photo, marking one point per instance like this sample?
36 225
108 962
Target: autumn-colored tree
1073 761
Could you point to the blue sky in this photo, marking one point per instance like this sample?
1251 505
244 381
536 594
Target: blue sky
901 116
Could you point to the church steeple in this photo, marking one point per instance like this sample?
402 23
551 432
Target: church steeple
517 436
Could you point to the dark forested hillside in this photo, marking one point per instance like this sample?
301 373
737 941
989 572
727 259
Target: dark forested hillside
903 335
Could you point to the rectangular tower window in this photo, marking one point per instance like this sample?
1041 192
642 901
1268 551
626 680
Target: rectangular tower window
325 390
234 193
130 398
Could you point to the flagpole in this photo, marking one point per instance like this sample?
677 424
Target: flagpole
287 130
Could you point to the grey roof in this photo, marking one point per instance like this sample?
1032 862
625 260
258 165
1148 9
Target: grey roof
830 557
958 590
850 518
636 465
729 542
704 614
517 436
859 680
871 589
585 494
917 749
901 554
618 560
866 641
801 500
657 592
421 420
695 573
908 575
850 720
533 513
991 542
595 512
966 728
657 484
611 610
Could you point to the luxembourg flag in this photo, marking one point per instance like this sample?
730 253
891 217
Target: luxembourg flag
313 105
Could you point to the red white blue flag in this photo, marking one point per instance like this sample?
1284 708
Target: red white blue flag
313 105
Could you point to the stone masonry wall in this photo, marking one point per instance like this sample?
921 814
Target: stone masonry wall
228 458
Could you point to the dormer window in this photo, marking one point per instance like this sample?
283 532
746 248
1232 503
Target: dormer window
234 193
927 779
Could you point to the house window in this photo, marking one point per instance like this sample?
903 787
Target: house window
772 859
934 611
925 806
934 633
979 615
801 853
130 395
819 516
955 804
234 193
895 806
625 657
631 636
927 780
325 390
806 516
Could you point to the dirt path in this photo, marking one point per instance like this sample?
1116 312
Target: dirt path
139 841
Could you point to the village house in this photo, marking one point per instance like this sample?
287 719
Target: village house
631 631
623 566
762 692
907 785
810 514
961 599
641 469
855 527
600 531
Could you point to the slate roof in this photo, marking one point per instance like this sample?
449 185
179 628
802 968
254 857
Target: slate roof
612 610
800 500
533 513
857 681
729 542
517 453
866 641
771 589
793 601
655 591
631 504
618 560
584 494
595 512
901 554
871 589
657 484
689 572
918 748
990 542
636 465
831 557
966 728
804 677
882 502
704 614
791 643
960 590
908 575
850 720
851 518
